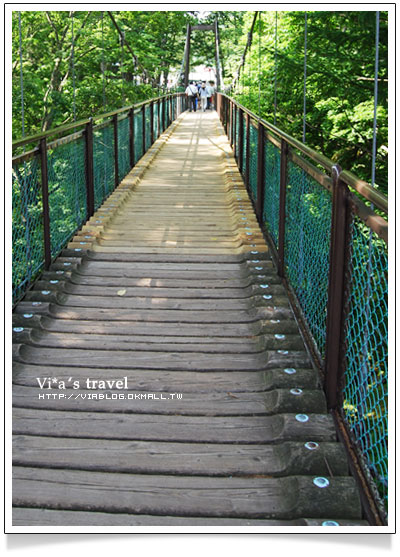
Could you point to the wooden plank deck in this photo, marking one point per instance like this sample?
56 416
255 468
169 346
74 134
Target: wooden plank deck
169 293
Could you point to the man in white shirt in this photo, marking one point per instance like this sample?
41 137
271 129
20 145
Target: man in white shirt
191 93
203 92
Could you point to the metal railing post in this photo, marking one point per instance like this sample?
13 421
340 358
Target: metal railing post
282 208
116 168
247 173
240 140
45 200
89 168
144 128
151 123
336 289
231 123
132 137
260 173
234 146
158 118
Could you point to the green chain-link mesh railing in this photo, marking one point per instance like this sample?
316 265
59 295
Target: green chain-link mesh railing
272 163
307 243
67 184
307 226
253 162
27 225
67 191
124 165
138 124
365 388
103 163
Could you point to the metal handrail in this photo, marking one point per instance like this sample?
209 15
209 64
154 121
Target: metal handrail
67 127
362 187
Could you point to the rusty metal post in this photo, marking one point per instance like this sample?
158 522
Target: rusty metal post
144 129
187 55
234 146
247 173
132 137
151 123
89 168
116 167
231 118
45 200
260 173
240 140
158 118
336 289
282 208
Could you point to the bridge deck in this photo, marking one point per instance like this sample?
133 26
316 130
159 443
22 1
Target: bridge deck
172 288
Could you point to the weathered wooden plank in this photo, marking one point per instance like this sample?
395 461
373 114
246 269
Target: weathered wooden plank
206 345
242 258
140 457
211 285
197 429
175 381
282 498
193 404
152 292
47 517
166 316
128 301
231 331
129 359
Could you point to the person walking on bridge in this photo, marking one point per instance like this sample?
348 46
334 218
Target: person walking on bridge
191 94
203 96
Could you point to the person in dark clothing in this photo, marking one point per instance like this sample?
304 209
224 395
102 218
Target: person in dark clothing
191 94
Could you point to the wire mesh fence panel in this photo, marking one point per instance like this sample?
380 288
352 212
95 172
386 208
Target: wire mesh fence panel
366 349
272 165
123 149
169 111
138 135
161 109
148 124
253 153
27 226
244 146
307 245
67 192
103 164
237 134
155 121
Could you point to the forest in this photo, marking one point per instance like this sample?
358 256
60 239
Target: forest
79 63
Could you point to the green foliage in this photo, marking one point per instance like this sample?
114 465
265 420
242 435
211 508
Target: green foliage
54 72
340 82
340 71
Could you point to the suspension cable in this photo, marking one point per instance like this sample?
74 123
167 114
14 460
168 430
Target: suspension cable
275 63
21 75
305 77
102 60
259 64
122 68
375 99
243 58
73 67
